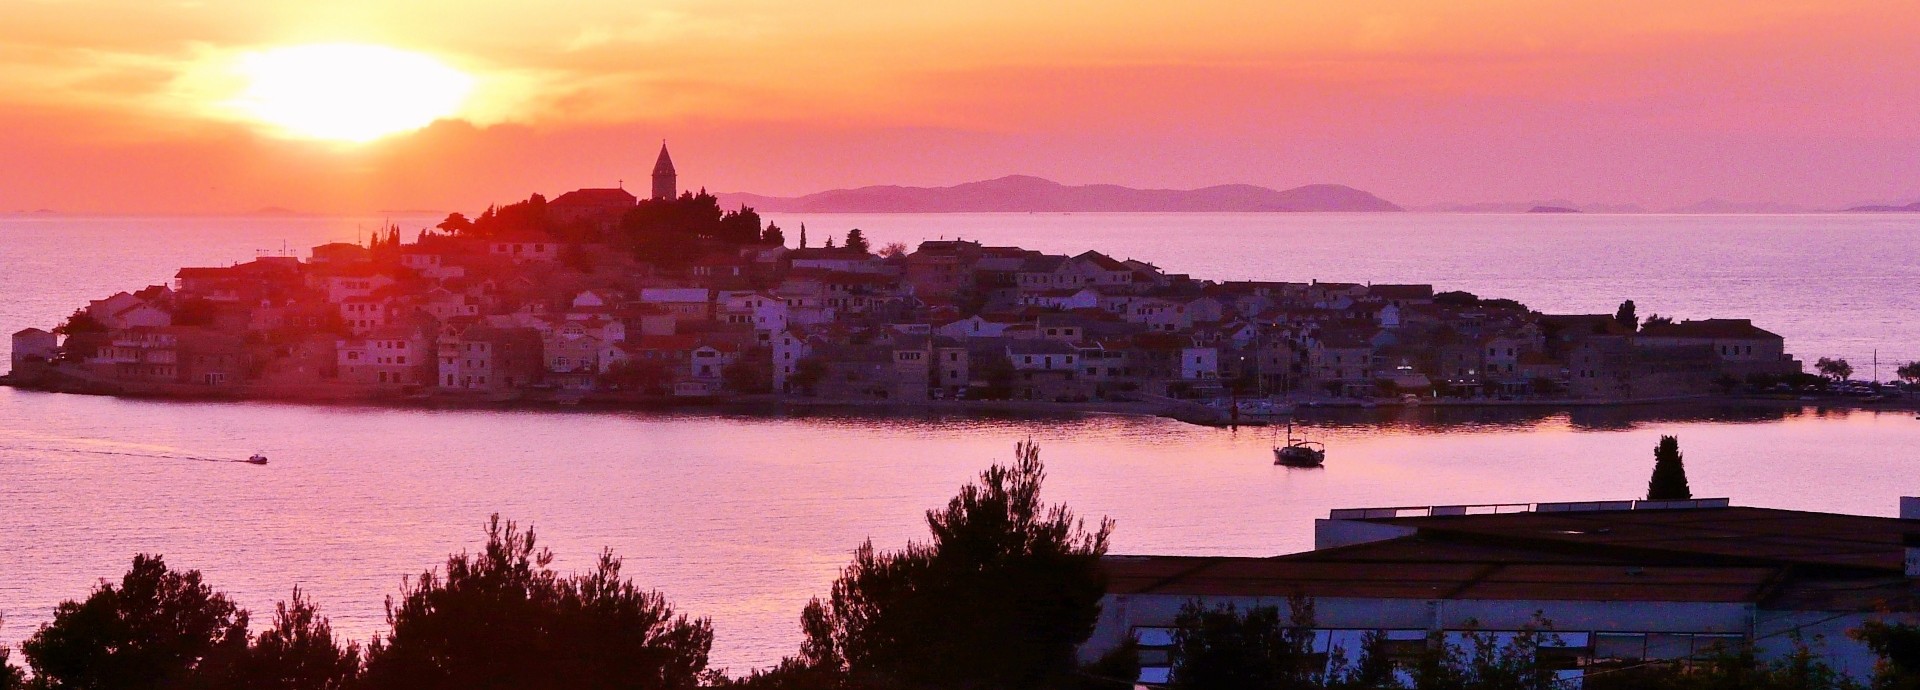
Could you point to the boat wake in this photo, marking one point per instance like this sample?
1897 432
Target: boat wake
120 453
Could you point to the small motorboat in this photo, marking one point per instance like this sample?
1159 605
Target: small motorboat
1299 452
256 459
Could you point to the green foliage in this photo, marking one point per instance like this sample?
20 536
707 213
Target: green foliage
1657 320
1669 481
1000 598
1118 668
1909 372
503 619
1898 646
998 373
773 235
298 652
672 232
1727 669
1625 316
525 217
636 375
1481 660
11 677
1456 298
1834 369
751 373
158 628
195 312
1223 649
857 242
456 223
807 374
80 322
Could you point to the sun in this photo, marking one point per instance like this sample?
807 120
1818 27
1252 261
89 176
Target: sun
347 92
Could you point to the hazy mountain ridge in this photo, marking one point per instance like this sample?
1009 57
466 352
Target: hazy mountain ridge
1887 208
1023 193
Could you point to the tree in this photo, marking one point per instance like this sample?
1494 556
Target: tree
1669 482
803 235
638 375
1835 370
1657 320
751 373
1223 649
1482 660
298 652
894 250
1456 298
456 223
773 235
195 311
998 373
1625 316
11 677
503 619
1000 597
157 629
807 374
857 241
1909 372
1898 646
80 322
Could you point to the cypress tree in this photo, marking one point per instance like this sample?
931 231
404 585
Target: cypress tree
1669 482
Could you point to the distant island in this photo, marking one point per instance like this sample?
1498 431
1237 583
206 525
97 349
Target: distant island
1882 208
599 297
1022 193
1552 209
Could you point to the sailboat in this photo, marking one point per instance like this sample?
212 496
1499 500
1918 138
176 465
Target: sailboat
1299 452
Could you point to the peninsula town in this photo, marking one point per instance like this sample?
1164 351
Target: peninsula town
601 297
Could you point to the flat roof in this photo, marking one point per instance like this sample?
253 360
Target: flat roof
1766 535
1779 559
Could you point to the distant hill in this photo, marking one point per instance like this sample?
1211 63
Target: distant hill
1543 206
1021 193
1878 208
1724 206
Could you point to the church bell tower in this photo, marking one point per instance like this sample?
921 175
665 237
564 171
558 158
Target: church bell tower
665 184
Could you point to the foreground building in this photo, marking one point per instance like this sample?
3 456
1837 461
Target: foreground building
1623 583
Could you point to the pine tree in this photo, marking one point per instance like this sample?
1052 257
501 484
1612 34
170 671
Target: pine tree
1626 317
1669 482
857 241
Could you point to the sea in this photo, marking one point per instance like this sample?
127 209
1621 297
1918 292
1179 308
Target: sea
743 518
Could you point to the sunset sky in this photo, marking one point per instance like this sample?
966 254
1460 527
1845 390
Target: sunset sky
159 106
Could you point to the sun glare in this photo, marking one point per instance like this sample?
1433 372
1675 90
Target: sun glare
348 92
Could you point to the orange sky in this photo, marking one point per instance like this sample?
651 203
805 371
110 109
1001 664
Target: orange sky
114 106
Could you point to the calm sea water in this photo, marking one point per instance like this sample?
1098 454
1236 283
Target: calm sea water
744 518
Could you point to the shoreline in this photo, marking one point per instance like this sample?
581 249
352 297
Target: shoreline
1187 411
